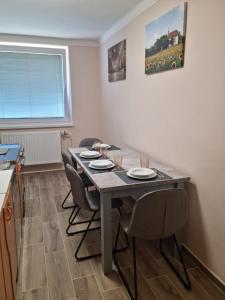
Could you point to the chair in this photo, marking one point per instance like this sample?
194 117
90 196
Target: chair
156 215
88 142
68 159
89 201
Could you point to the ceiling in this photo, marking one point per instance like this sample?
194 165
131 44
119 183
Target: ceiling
77 19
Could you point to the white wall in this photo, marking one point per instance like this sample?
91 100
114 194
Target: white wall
84 65
178 116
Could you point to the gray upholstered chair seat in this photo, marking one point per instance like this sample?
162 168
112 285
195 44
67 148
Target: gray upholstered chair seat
88 142
156 215
89 201
93 198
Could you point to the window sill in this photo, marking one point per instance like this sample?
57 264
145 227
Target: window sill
35 125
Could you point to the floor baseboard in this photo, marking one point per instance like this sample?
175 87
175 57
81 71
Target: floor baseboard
43 168
204 268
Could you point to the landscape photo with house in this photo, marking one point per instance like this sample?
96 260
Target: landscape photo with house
165 41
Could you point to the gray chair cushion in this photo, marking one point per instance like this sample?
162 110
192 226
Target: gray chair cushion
93 198
159 214
69 159
88 142
89 200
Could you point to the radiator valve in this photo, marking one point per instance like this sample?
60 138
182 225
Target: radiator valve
65 134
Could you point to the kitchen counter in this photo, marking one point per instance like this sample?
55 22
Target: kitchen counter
13 152
2 198
5 177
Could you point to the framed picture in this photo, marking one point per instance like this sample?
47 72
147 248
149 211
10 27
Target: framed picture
165 41
117 62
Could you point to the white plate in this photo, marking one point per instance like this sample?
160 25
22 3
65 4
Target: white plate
101 164
5 165
141 175
141 172
105 168
106 146
90 154
3 151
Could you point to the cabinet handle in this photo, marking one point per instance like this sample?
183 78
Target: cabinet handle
22 152
18 167
9 213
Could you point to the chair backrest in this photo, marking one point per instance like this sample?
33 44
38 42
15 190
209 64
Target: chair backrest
77 188
159 214
88 142
67 159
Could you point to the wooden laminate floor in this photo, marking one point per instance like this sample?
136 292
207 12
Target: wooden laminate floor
49 271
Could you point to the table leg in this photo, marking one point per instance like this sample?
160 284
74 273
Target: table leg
106 232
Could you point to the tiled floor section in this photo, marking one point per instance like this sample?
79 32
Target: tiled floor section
49 271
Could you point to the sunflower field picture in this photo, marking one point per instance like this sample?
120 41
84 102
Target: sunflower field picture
165 41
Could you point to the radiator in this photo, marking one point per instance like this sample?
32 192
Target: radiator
41 147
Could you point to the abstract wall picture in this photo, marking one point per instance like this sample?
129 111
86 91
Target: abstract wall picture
165 41
117 62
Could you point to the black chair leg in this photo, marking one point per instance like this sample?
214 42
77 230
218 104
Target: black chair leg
71 217
80 258
84 235
185 281
135 296
72 223
64 201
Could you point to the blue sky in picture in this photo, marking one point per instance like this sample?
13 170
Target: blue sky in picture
173 20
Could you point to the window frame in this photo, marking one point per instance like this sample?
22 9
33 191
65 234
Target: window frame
66 121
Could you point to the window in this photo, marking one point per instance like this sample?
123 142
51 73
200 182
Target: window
34 86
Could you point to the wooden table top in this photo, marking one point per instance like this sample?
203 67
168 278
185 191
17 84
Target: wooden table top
111 181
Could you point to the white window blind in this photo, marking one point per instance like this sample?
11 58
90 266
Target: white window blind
31 85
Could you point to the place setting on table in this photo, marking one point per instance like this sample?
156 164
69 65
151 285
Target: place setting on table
97 151
142 173
99 146
98 161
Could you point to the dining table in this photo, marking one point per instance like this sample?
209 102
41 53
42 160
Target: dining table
114 183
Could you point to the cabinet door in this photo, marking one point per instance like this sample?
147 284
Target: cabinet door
17 218
2 279
10 236
8 293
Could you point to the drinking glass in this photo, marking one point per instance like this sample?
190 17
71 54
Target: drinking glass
118 159
97 146
144 161
103 150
